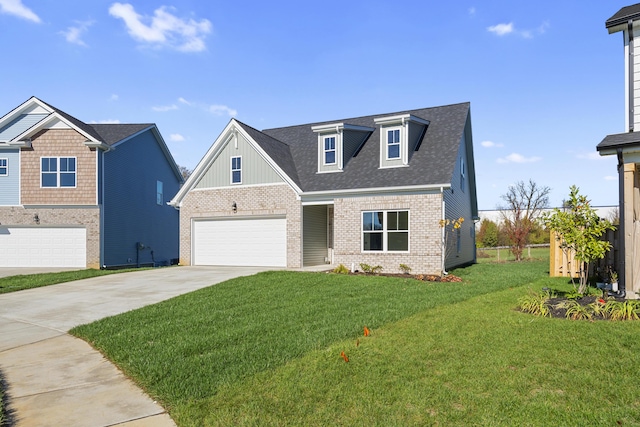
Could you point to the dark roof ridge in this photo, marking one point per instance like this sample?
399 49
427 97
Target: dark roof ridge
623 15
370 115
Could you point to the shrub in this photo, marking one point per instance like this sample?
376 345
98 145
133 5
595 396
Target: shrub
405 268
627 310
341 269
536 303
366 268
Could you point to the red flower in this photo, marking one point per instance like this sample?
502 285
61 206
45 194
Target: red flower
601 301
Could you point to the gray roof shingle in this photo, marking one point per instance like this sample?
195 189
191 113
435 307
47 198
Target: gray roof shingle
113 133
623 15
619 140
432 164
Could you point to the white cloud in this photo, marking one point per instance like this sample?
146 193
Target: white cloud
74 34
176 137
501 29
183 101
164 108
592 155
472 11
505 29
518 158
610 178
15 7
220 110
491 144
114 97
164 29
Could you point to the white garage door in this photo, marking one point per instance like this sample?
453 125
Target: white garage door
250 242
43 247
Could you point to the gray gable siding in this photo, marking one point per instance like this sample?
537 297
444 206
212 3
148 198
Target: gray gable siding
255 170
131 214
458 203
19 125
353 140
10 184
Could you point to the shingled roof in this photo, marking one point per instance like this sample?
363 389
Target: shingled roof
624 15
295 150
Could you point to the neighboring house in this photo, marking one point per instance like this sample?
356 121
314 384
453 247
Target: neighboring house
362 190
626 147
74 194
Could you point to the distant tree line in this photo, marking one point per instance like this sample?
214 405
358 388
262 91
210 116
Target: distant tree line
492 234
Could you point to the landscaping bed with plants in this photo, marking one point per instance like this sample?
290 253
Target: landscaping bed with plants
366 270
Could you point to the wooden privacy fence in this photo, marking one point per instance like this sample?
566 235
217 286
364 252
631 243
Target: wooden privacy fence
565 265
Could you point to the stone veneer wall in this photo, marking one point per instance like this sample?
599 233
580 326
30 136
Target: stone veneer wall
277 199
88 217
58 143
425 212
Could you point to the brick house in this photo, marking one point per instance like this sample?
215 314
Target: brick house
361 190
84 195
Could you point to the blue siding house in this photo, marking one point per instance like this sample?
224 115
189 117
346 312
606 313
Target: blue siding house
81 195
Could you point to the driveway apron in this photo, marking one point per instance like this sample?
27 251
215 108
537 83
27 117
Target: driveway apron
54 379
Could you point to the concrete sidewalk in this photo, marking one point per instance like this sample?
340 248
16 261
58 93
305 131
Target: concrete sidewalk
55 379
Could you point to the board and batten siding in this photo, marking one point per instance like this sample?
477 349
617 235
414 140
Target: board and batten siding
255 170
131 211
458 204
314 235
10 184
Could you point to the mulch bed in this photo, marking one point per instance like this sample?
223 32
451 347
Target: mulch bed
449 278
561 313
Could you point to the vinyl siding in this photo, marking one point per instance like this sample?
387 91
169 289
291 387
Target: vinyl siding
18 125
314 235
131 214
10 184
458 204
352 141
255 170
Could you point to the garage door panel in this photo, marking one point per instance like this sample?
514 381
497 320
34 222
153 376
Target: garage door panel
42 247
250 242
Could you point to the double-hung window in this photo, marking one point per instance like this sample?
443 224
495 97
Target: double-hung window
385 231
462 173
236 170
393 144
58 172
4 167
330 150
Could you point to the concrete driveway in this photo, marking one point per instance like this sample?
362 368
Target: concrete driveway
55 379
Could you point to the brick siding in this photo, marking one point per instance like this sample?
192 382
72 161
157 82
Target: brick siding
88 217
250 201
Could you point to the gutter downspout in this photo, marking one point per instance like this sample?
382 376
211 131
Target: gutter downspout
621 227
630 60
442 236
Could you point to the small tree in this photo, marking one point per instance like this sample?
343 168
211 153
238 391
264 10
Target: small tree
487 236
578 230
524 204
450 227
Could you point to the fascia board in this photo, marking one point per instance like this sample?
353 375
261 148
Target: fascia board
429 188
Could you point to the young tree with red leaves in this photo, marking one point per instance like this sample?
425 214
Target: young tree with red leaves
525 202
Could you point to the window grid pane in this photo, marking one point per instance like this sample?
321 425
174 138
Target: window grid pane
4 168
385 231
329 150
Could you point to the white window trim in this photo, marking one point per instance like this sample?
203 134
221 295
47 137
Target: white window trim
6 165
325 150
236 170
399 143
58 171
385 232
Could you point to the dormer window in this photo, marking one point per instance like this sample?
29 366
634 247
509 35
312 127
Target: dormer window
338 143
393 144
400 136
330 150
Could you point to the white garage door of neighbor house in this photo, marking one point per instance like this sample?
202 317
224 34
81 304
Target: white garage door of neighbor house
43 247
251 242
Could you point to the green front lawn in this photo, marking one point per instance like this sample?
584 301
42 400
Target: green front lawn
28 281
266 350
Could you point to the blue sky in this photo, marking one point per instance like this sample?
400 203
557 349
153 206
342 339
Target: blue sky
545 79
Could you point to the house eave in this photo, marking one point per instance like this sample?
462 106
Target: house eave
353 192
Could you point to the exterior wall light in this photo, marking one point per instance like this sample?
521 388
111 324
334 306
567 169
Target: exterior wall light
36 219
234 207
